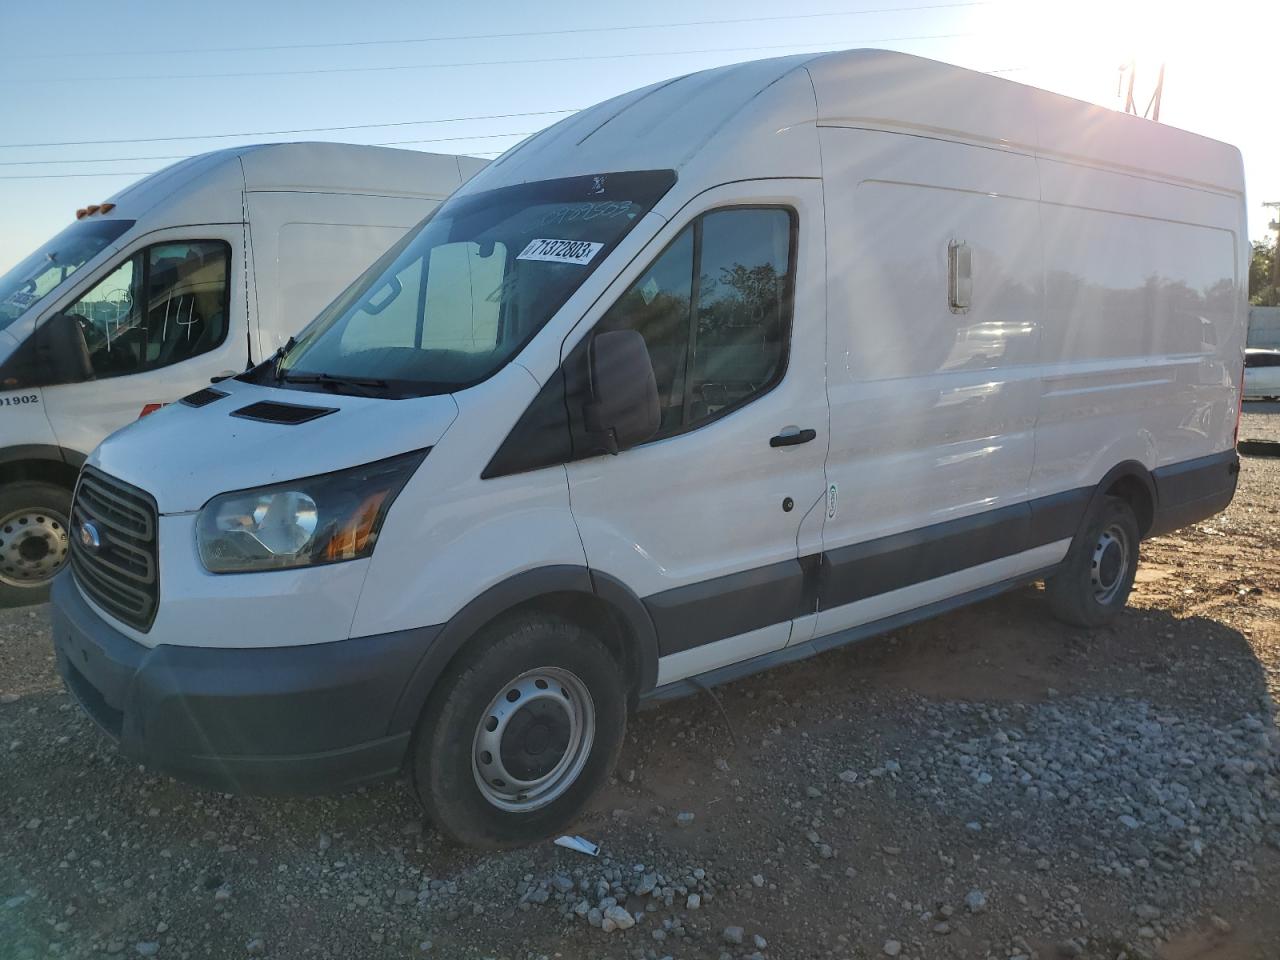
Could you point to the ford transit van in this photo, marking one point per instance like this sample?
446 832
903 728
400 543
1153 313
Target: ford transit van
194 272
712 376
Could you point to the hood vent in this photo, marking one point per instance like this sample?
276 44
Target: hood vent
202 398
270 411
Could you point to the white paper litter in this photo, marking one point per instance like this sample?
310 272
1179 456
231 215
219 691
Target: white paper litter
579 844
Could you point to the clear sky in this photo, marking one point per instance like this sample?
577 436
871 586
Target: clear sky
134 70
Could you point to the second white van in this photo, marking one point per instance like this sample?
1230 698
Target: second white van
718 374
197 271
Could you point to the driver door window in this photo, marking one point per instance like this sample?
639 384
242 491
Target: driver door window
715 312
166 304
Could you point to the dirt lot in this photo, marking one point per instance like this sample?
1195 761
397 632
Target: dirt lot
989 783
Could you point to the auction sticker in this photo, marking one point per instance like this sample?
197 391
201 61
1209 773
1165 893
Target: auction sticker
560 251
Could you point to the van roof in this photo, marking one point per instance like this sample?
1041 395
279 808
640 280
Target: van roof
206 188
745 117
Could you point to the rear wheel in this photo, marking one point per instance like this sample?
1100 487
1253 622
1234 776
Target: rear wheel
1095 580
520 733
33 539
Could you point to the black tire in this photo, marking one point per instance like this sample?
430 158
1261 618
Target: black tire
1097 576
34 541
448 744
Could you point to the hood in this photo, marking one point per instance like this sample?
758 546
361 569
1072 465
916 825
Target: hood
184 455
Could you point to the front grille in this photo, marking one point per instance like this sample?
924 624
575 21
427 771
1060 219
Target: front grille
122 574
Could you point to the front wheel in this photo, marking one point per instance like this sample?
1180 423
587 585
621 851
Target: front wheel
1094 582
33 539
520 733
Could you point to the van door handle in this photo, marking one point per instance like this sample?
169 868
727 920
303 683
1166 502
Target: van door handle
791 436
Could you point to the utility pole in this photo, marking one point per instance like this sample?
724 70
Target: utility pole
1131 67
1130 105
1153 104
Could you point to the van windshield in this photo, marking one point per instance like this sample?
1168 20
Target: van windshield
41 273
464 292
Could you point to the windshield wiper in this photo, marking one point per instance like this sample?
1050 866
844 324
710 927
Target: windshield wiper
364 386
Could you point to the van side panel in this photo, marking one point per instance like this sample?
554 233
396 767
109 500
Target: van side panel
932 408
308 247
1143 330
932 405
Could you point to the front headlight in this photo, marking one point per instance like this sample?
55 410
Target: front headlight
324 519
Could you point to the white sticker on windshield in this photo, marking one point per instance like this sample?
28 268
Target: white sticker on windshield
649 291
560 251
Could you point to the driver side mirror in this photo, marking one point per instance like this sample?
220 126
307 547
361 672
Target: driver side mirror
62 351
55 353
623 410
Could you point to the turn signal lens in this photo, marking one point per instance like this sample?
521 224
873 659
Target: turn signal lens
352 539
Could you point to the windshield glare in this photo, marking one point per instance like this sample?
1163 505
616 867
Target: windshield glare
42 272
462 294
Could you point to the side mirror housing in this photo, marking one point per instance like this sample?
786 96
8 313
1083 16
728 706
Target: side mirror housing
623 410
55 353
63 350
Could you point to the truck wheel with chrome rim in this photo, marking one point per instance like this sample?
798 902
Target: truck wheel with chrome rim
520 733
34 543
1094 582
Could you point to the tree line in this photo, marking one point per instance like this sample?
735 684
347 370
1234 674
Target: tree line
1263 291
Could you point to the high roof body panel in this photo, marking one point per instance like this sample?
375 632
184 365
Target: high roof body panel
894 91
207 188
736 122
758 119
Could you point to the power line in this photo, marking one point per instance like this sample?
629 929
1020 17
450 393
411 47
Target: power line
65 176
385 68
273 133
528 33
184 156
485 136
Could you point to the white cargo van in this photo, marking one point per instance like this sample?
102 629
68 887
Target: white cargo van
194 272
712 376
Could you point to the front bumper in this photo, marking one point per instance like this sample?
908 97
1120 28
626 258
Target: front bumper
295 719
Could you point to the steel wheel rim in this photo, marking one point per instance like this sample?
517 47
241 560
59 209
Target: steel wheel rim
33 547
1109 563
549 707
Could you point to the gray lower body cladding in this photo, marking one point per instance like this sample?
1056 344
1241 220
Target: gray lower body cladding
322 716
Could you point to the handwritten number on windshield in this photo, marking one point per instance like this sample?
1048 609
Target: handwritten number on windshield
586 212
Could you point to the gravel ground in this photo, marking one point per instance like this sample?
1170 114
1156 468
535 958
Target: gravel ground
987 784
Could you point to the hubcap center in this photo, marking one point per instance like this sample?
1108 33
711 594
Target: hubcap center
1109 564
33 548
536 739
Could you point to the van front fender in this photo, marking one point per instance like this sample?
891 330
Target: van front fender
442 642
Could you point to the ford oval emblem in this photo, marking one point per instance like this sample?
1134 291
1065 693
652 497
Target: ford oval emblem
90 538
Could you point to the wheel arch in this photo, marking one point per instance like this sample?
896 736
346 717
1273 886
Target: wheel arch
38 461
1132 482
592 599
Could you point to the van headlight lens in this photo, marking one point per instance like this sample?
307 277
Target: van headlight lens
324 519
